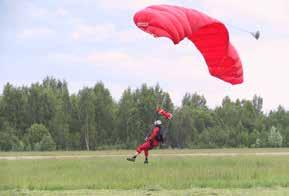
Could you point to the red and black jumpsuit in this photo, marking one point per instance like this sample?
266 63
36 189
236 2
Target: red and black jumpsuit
150 143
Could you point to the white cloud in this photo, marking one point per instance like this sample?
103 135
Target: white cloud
33 10
129 4
93 32
132 35
36 32
107 58
107 32
256 12
61 12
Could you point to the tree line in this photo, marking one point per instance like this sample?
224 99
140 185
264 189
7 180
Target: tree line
45 116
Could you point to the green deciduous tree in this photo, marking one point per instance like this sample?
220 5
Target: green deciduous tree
45 116
275 139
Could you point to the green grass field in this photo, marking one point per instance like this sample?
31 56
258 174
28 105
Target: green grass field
170 172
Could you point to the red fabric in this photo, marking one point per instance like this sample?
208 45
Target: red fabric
209 35
144 147
153 135
150 143
164 113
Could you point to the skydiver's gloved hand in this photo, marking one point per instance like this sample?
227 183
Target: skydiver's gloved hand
146 139
157 110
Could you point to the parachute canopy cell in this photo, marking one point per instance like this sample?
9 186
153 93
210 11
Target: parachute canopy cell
209 35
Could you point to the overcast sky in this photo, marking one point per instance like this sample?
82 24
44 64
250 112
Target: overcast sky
87 41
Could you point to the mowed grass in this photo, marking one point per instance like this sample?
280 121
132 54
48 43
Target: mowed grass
164 173
185 192
156 152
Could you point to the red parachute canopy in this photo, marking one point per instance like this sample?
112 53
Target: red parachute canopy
209 35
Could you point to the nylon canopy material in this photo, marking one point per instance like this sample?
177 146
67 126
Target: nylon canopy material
209 35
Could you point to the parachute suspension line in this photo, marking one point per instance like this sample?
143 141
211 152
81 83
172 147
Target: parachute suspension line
166 125
160 105
164 100
255 34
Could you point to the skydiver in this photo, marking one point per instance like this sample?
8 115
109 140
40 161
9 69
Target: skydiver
150 142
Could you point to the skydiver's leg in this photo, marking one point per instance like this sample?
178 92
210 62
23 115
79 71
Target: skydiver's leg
133 157
146 152
139 149
136 154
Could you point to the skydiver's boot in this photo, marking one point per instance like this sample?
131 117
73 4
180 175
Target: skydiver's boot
146 161
132 159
